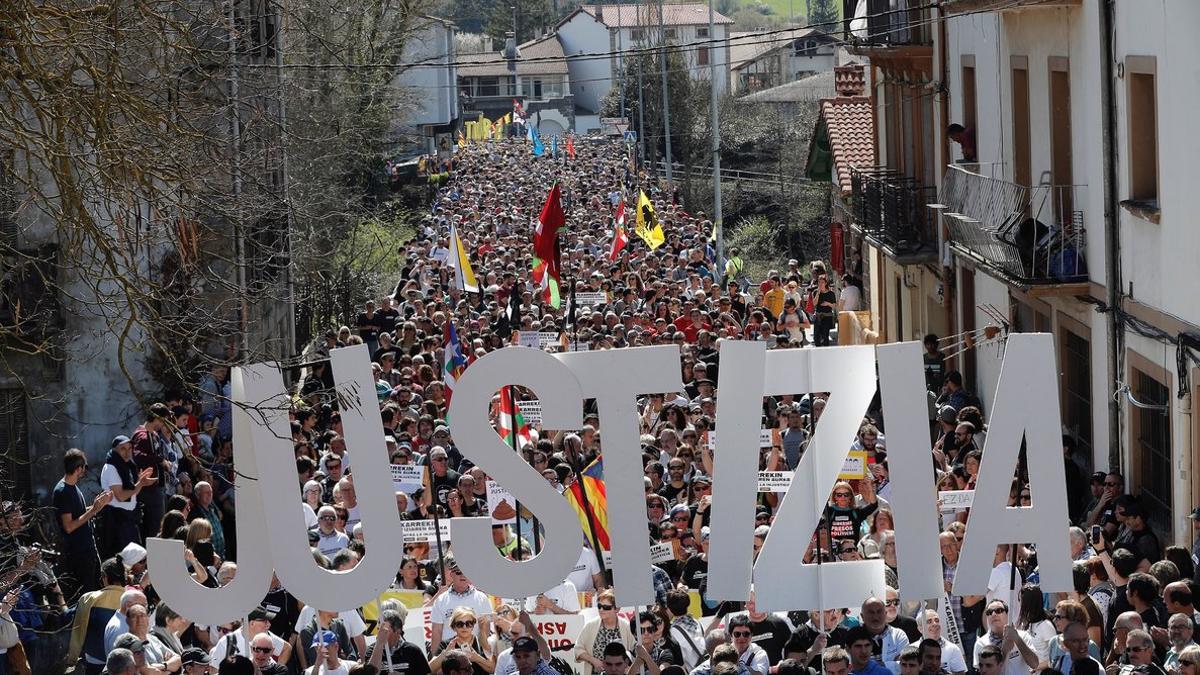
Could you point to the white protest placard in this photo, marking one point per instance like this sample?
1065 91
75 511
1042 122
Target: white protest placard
955 500
546 339
766 437
607 557
774 481
855 466
529 339
662 552
531 411
591 298
576 346
561 631
407 478
501 504
417 628
421 531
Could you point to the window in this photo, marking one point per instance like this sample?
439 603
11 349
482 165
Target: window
1143 130
669 33
637 34
1060 138
14 444
487 86
968 92
702 32
1077 390
1152 444
1021 154
702 56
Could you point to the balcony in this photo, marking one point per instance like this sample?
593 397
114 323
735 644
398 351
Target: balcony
890 209
1031 236
888 23
954 7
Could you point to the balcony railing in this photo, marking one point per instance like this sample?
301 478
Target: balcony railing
1033 235
889 23
892 207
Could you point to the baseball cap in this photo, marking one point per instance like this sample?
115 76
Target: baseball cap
119 440
132 554
947 414
131 642
324 637
194 655
524 644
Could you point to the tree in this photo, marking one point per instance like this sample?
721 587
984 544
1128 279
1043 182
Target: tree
824 14
532 17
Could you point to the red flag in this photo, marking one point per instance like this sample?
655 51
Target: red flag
571 146
620 237
545 238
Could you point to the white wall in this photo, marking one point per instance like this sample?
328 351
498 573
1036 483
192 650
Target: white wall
432 92
591 78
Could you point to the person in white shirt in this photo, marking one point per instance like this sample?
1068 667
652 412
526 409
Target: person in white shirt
1003 584
952 656
749 654
1017 657
586 575
562 599
457 593
329 540
327 661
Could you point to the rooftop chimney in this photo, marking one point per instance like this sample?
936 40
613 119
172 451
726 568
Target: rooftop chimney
849 80
510 46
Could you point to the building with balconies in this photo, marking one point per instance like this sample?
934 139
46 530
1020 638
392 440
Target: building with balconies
538 78
1072 216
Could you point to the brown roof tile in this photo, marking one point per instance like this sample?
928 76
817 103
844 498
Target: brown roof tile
547 50
851 128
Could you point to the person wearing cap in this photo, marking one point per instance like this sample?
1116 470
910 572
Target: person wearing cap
530 653
195 661
257 623
79 568
328 661
391 654
121 476
134 558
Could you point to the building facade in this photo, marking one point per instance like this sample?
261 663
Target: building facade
595 39
1058 209
431 113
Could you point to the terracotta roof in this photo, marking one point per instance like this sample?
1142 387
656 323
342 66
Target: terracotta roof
806 89
547 50
634 16
849 80
851 128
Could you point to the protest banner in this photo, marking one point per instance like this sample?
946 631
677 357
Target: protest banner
420 531
774 481
530 339
501 504
561 631
531 411
661 553
950 501
590 298
413 600
855 466
407 478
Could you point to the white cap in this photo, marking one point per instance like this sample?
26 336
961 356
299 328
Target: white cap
132 554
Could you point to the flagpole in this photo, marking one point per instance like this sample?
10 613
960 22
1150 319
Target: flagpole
437 535
587 513
514 431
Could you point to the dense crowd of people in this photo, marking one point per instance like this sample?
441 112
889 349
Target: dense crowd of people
1131 610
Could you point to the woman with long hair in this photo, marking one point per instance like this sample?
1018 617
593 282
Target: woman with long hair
1034 620
463 621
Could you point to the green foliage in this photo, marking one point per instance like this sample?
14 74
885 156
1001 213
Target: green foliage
824 14
532 17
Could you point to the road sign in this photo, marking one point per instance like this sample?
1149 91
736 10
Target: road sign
631 137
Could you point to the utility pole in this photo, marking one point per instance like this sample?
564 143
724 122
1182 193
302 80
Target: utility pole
624 69
292 349
235 169
718 228
641 109
666 94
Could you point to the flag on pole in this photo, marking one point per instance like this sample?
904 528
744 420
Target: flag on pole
587 496
518 112
510 418
455 363
539 148
464 276
648 227
620 235
546 277
554 147
571 146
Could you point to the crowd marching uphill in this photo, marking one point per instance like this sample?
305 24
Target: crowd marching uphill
575 250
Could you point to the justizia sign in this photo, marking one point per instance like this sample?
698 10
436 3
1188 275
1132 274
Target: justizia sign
1026 407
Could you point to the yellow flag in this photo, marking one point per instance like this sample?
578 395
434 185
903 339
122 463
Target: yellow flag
464 276
648 227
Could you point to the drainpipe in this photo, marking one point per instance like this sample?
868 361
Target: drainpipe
1112 232
1183 499
949 302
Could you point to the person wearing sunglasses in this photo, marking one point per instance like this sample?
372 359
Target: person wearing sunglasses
845 519
1179 634
262 652
463 622
598 633
1018 658
330 540
1139 652
1188 662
